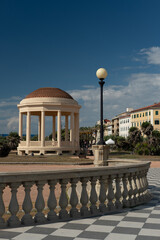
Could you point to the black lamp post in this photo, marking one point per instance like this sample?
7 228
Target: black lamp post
101 75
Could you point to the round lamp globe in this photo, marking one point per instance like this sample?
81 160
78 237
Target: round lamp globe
101 73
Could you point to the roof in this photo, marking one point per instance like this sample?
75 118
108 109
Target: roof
155 105
106 120
49 92
126 116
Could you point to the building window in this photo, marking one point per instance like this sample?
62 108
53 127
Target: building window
137 115
149 113
140 123
143 114
134 115
156 112
137 124
140 114
156 122
146 113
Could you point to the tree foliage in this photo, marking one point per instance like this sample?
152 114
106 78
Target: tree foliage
13 140
4 150
134 137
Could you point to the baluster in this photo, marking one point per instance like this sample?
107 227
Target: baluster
84 198
74 199
142 187
63 201
130 192
148 194
2 207
52 202
135 188
13 221
118 194
40 204
140 197
27 205
93 196
102 195
125 191
110 196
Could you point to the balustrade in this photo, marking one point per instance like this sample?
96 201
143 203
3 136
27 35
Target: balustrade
93 191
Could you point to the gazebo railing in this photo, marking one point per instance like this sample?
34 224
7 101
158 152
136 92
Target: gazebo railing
83 192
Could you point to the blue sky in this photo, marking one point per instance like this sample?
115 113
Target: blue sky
62 44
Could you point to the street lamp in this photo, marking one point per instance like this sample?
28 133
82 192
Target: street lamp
101 75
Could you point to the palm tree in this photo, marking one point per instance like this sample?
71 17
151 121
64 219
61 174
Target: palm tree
13 139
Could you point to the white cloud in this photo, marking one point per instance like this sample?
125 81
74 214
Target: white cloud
142 90
9 101
12 123
152 54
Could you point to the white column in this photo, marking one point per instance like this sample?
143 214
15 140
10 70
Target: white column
59 128
53 128
72 128
20 125
39 128
77 129
28 129
66 128
42 129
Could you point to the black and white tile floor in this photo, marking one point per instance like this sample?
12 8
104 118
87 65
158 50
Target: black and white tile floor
139 223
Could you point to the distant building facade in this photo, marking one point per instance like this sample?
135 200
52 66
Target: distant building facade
115 121
124 125
150 114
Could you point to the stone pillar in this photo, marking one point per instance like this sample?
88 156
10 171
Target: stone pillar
59 128
72 128
42 129
20 125
39 128
77 129
101 153
66 128
54 128
28 129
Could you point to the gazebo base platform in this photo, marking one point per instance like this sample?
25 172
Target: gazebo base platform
46 150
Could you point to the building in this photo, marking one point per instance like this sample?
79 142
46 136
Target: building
54 103
124 125
150 114
107 127
115 121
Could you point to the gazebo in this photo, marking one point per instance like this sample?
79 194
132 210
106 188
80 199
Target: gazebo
52 102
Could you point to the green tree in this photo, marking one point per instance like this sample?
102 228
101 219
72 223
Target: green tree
142 148
34 138
4 150
147 129
13 139
134 137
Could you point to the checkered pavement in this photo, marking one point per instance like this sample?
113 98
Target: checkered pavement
138 223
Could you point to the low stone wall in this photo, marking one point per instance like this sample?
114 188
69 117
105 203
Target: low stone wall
83 192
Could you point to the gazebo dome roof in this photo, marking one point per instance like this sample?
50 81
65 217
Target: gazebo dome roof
49 92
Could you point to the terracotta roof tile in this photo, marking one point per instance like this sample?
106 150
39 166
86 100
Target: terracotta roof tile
49 92
156 105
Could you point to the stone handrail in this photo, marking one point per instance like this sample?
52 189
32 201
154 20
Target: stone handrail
84 192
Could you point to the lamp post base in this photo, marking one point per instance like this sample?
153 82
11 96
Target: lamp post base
101 153
101 143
